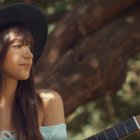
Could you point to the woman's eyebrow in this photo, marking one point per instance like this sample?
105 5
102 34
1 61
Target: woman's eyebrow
16 41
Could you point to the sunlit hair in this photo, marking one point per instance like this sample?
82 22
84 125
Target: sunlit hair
24 112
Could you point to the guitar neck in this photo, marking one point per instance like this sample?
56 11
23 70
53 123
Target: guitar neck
118 131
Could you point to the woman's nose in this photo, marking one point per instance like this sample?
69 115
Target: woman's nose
27 52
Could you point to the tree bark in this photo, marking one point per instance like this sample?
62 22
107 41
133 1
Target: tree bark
82 63
87 17
28 1
56 17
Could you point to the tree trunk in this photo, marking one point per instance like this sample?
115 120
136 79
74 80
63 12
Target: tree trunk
87 17
82 63
28 1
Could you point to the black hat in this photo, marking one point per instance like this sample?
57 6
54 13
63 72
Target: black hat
32 18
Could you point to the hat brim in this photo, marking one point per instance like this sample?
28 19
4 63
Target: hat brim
32 18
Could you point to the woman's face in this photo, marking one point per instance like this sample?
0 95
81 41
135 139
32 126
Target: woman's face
18 60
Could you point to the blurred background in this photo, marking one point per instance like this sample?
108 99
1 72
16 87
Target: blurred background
92 58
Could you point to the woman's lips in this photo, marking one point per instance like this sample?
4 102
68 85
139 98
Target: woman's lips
27 66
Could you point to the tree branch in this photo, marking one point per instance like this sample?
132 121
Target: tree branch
94 67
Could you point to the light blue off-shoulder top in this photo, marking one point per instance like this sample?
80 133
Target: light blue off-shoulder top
54 132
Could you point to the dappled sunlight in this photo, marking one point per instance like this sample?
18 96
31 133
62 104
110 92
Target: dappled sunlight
130 19
38 79
2 103
60 31
52 56
94 63
72 79
93 116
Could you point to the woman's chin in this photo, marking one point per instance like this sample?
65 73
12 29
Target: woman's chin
23 77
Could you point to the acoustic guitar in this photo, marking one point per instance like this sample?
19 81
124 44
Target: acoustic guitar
118 131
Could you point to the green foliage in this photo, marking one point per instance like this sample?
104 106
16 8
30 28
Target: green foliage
57 5
105 112
49 7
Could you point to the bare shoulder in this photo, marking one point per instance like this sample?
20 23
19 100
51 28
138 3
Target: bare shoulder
53 108
50 96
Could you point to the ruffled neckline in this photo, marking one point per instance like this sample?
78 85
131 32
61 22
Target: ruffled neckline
11 133
41 127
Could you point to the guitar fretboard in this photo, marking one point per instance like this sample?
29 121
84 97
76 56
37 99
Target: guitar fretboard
118 131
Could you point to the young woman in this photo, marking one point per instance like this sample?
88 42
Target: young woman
24 114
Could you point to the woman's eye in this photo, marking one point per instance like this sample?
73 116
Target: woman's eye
17 46
29 46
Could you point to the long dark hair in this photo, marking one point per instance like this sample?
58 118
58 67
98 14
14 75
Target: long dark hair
24 109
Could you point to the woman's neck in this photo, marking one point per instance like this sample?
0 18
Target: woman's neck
7 93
